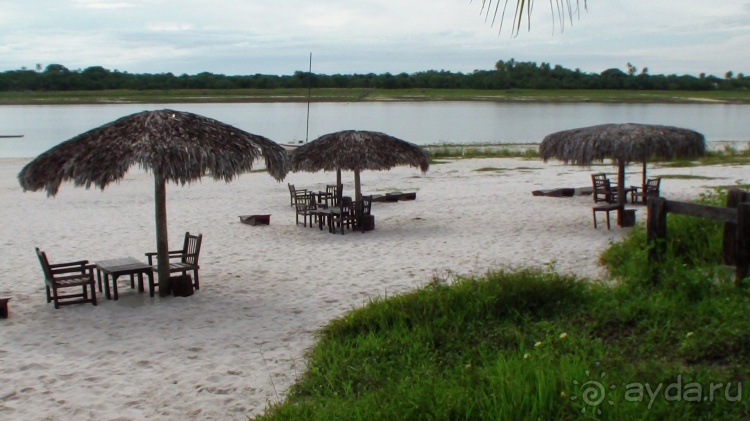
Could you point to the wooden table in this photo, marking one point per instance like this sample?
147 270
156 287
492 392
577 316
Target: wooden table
123 266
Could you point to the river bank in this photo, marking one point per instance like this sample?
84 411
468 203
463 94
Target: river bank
369 95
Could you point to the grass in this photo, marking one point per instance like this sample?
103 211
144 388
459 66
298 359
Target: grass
534 344
490 169
470 151
727 156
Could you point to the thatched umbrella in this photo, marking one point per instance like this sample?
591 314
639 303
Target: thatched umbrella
175 146
357 150
622 143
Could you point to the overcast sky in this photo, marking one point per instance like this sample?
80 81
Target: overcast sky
240 37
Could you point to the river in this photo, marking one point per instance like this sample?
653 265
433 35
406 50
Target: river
44 126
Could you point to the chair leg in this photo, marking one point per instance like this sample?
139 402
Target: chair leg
607 219
197 284
93 293
49 297
594 212
54 297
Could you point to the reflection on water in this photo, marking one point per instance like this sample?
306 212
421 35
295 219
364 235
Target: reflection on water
418 122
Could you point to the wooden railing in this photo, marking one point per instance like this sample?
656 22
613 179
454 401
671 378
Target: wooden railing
735 216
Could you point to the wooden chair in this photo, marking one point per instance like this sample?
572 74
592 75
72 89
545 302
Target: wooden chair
604 189
306 206
343 217
364 209
186 258
334 193
607 209
650 189
78 274
295 193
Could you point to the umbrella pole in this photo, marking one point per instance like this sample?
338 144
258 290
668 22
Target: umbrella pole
338 176
643 184
357 187
620 190
162 242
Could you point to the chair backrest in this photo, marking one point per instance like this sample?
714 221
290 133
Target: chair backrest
599 181
44 262
192 248
334 192
338 195
366 204
345 206
652 185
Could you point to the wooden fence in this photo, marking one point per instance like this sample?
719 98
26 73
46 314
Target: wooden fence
736 218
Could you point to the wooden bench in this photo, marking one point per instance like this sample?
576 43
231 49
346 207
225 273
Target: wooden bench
255 219
4 307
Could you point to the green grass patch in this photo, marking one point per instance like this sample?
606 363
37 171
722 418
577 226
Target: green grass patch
523 345
688 177
481 151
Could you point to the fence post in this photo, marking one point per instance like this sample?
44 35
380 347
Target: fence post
656 228
742 242
729 246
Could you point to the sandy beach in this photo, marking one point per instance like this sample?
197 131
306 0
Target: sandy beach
239 342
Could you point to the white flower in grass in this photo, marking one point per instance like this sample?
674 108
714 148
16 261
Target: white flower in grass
563 335
538 344
689 334
526 356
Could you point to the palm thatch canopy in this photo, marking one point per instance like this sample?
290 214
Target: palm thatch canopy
175 146
622 143
357 150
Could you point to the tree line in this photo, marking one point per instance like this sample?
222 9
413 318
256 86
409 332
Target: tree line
509 74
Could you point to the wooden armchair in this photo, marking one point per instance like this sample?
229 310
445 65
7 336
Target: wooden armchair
343 216
650 189
307 207
604 190
364 210
295 193
185 259
68 275
332 195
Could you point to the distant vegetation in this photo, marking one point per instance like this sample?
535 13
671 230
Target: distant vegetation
507 75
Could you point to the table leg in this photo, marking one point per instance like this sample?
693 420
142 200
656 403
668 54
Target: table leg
99 279
140 281
106 286
114 287
151 286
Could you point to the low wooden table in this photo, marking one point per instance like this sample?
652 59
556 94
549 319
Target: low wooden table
123 266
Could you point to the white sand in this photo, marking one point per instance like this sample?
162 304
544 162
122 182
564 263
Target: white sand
239 342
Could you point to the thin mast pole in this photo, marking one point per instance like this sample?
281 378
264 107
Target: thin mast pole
309 87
